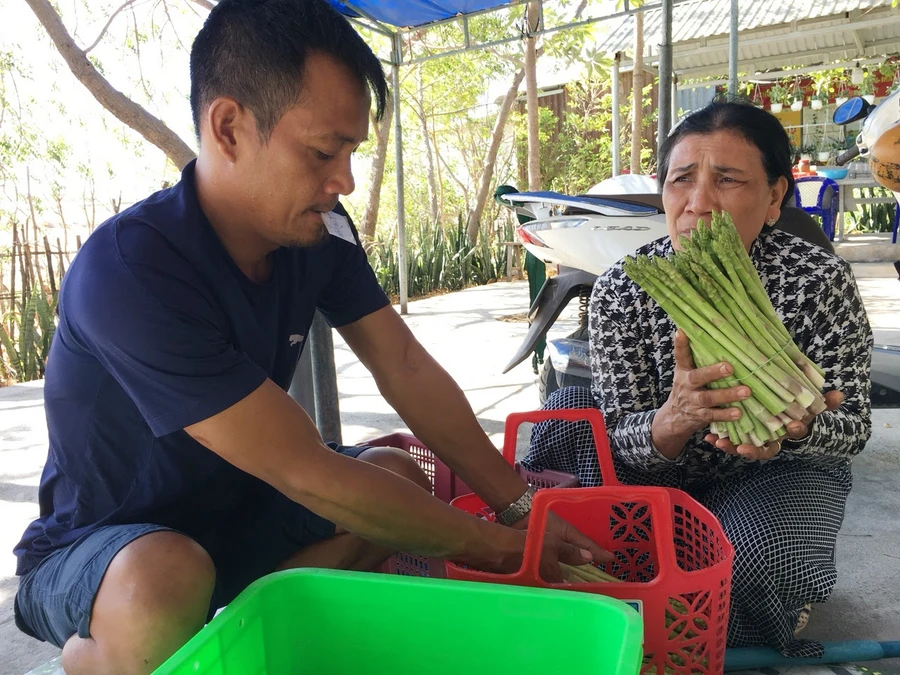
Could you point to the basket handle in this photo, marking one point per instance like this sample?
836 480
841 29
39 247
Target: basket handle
590 415
544 499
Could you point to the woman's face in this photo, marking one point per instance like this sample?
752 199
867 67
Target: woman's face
719 172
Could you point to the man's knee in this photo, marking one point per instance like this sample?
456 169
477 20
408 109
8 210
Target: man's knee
154 596
163 572
399 462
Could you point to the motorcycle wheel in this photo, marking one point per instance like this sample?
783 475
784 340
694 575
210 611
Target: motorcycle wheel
547 381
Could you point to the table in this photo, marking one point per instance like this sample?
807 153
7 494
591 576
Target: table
848 202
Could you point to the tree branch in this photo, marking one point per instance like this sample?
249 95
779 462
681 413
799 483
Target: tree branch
108 24
206 4
126 110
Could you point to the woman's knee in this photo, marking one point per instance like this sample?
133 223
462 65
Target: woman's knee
399 462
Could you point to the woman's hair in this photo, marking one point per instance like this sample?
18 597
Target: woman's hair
755 125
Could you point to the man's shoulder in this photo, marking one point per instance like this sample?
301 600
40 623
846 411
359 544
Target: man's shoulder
160 224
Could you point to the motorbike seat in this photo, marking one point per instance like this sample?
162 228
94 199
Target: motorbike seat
650 199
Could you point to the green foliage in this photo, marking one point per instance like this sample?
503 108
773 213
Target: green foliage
441 259
26 335
873 217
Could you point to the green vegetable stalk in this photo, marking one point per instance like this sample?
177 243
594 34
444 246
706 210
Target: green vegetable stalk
713 293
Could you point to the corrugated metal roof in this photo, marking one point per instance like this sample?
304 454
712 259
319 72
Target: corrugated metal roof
773 33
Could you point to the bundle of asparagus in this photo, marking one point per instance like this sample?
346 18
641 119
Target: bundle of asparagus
713 293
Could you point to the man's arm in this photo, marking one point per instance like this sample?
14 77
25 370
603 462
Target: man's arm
269 436
432 404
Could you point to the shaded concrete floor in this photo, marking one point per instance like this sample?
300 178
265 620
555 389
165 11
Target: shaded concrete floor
472 334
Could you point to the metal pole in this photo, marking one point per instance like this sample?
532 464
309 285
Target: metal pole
327 407
733 51
616 147
665 76
398 144
674 119
301 389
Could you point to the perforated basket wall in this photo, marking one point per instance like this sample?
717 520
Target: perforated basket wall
673 559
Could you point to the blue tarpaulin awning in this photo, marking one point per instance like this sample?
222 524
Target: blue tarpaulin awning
409 13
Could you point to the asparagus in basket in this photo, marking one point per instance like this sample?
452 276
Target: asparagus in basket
713 293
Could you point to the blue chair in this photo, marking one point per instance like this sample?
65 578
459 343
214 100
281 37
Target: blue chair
818 196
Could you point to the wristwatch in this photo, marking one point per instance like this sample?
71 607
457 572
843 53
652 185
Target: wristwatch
517 510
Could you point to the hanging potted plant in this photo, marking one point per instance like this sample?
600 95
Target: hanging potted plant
822 86
797 97
867 88
889 71
842 94
823 154
757 97
777 96
819 100
806 152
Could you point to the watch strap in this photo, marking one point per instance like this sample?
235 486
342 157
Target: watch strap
518 509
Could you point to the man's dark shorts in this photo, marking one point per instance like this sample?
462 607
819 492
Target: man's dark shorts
55 599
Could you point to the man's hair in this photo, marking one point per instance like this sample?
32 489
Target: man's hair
758 127
255 51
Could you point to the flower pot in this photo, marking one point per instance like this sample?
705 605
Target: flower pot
823 156
840 100
816 104
804 157
777 107
869 97
797 106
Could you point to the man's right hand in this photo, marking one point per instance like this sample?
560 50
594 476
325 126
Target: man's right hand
269 436
511 542
691 406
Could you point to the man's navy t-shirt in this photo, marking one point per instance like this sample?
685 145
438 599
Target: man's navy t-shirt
159 329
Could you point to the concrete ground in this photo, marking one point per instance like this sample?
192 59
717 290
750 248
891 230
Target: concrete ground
472 334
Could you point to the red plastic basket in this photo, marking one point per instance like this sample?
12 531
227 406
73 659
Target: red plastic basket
446 486
672 556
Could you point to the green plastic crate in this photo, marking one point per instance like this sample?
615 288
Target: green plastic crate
326 622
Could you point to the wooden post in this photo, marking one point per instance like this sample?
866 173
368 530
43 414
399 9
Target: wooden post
62 266
49 265
12 283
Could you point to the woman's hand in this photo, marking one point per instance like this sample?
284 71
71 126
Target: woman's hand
691 406
796 430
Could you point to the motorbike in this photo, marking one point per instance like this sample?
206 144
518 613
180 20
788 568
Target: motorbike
879 143
586 234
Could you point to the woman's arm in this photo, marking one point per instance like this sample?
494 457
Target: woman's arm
625 380
833 330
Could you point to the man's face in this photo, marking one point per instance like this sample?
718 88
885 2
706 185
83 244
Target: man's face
304 167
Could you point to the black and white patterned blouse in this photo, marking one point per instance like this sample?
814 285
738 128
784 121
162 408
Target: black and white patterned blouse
814 294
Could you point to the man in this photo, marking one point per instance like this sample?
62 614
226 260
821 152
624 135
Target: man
179 470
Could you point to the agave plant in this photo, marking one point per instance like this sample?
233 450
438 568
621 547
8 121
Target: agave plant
26 344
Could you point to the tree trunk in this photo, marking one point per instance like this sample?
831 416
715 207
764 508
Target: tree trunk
487 173
382 131
126 110
429 155
637 93
534 141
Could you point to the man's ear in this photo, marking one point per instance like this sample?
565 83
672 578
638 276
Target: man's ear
230 126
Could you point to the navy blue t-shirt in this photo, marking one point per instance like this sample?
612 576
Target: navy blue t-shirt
159 329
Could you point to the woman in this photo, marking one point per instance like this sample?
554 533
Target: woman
781 505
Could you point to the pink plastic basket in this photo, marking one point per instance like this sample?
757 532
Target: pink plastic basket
447 486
